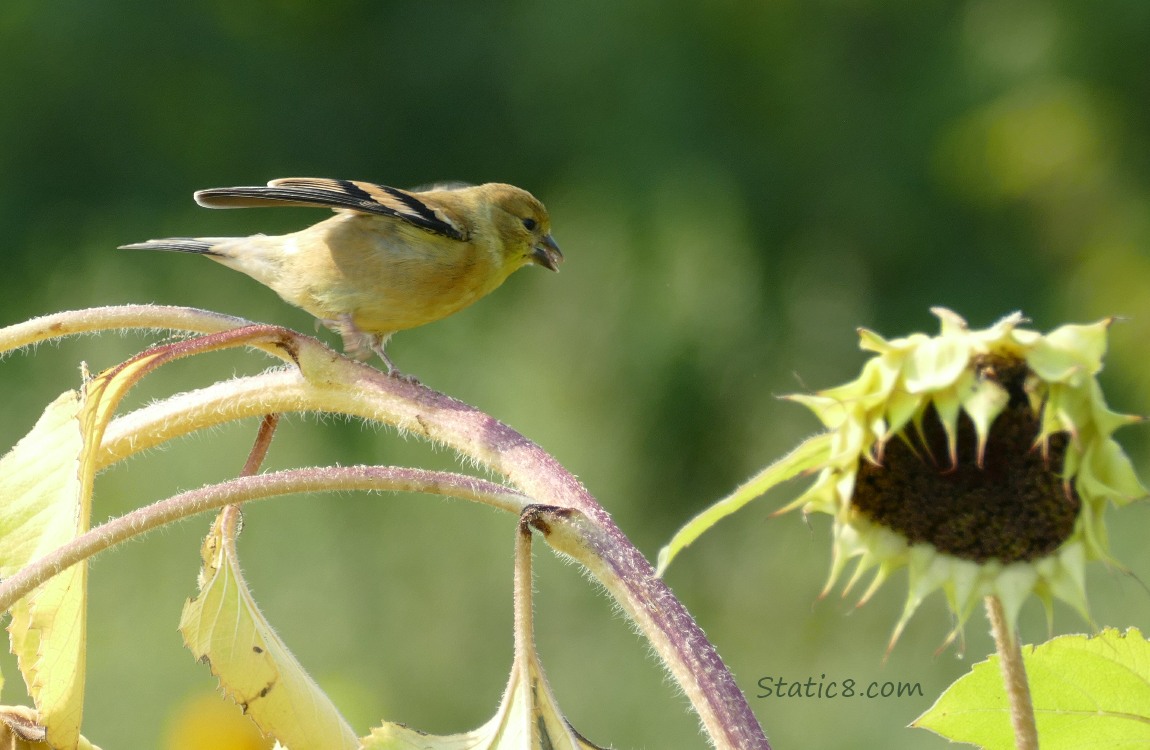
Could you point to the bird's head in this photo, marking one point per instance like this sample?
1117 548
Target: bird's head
523 226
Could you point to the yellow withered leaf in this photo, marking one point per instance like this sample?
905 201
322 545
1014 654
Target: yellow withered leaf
528 717
223 627
45 502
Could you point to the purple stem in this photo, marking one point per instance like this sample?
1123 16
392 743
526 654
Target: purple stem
688 654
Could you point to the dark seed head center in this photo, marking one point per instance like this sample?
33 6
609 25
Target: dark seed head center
1014 506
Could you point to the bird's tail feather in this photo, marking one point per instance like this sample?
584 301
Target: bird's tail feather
177 245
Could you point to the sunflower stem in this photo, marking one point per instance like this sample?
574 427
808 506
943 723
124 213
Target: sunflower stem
262 443
1013 677
321 380
245 489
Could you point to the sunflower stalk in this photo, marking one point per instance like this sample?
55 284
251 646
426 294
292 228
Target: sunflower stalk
317 379
1013 676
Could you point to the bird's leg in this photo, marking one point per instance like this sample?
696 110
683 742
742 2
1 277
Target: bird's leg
361 345
377 344
356 343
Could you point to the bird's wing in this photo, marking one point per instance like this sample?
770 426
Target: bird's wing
350 195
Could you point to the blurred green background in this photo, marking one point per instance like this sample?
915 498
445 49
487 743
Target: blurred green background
737 186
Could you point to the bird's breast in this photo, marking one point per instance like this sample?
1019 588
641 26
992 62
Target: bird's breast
390 276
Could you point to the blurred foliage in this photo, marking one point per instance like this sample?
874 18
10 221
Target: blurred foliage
737 186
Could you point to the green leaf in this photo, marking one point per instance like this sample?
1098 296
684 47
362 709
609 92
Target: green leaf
1088 692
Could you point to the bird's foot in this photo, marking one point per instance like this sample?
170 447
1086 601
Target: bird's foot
376 345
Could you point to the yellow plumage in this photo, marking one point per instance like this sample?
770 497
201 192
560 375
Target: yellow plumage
389 259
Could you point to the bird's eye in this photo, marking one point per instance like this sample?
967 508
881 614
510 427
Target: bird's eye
529 224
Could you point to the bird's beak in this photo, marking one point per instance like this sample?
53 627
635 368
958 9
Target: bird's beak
547 254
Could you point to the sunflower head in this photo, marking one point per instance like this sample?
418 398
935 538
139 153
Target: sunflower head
980 460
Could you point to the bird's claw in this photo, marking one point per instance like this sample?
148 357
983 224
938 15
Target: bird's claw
393 373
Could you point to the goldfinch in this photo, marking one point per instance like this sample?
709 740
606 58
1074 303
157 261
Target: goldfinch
389 259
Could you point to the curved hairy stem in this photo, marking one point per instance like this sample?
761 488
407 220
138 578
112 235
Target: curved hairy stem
249 488
327 382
